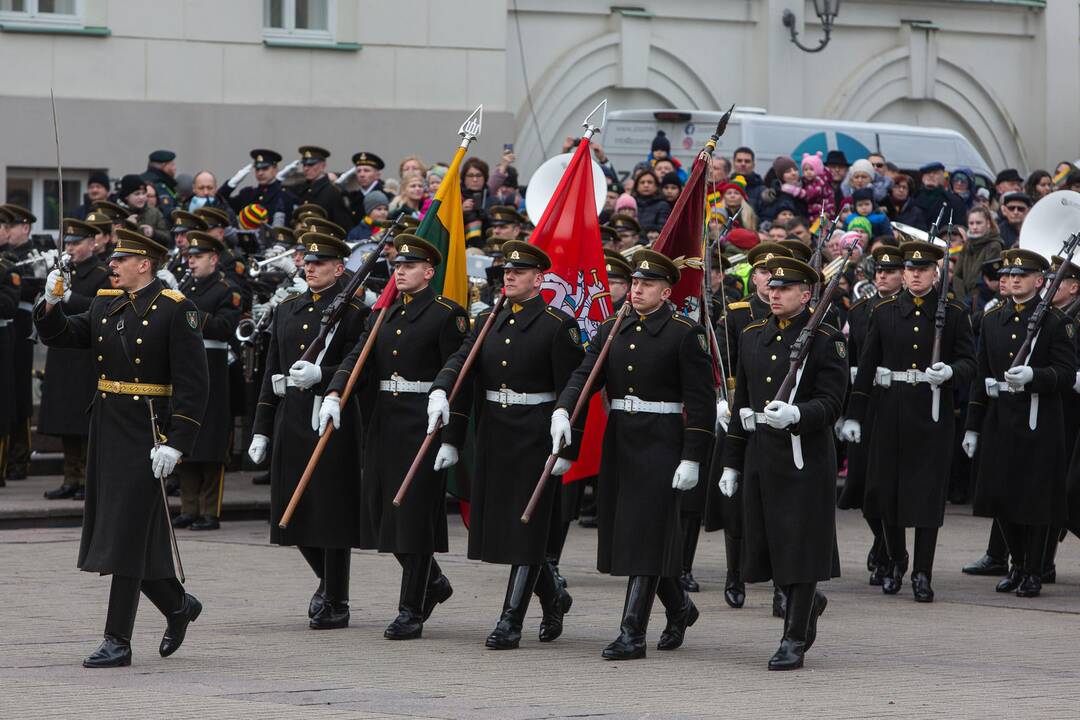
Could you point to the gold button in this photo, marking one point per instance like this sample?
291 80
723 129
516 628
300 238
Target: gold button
398 331
504 363
918 313
638 328
768 379
511 322
134 397
138 341
103 321
507 341
99 338
504 404
630 368
778 337
102 394
102 377
145 322
1016 319
136 379
305 326
916 328
629 389
153 307
138 361
100 358
311 309
394 352
1010 354
402 312
503 385
773 357
1014 336
914 347
395 394
914 366
632 346
301 346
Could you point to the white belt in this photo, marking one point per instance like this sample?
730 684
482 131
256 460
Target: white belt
631 404
995 387
508 397
215 344
397 384
884 377
281 382
28 307
750 419
5 323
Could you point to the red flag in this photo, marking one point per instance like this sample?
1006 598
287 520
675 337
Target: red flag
577 283
683 237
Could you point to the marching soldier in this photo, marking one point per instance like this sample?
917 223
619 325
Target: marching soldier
420 333
69 372
1015 421
269 192
20 245
505 222
150 363
318 189
909 454
618 272
10 281
786 456
888 281
526 358
657 367
324 527
202 476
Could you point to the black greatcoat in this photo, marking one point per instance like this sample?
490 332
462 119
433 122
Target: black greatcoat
660 357
415 340
124 526
533 350
329 513
9 305
789 515
69 385
1021 472
29 289
909 455
219 312
323 193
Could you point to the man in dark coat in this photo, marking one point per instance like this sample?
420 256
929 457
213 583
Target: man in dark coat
319 190
786 455
888 281
161 173
657 366
933 193
148 351
10 281
1015 421
368 168
269 192
324 527
69 373
202 475
910 448
525 361
421 330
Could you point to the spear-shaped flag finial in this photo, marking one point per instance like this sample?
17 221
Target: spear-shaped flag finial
592 128
470 129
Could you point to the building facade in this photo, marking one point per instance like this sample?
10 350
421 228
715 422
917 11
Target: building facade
210 78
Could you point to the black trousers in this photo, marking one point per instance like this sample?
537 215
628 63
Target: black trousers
1027 546
331 566
166 594
925 546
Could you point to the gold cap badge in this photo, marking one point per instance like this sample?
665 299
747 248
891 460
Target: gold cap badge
314 247
917 255
779 272
404 248
644 265
515 255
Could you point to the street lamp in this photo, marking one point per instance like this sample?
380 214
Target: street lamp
826 10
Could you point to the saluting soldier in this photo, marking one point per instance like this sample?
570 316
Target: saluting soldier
888 281
69 372
318 189
786 457
368 168
9 306
421 331
526 359
202 475
909 456
269 192
657 370
324 527
147 351
1015 421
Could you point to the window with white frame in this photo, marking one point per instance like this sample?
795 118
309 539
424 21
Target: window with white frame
36 190
65 13
298 20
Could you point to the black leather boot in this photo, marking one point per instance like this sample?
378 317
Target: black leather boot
409 624
1029 587
1049 569
986 565
820 603
630 645
334 614
206 522
317 561
114 651
920 587
519 590
183 520
691 534
1011 581
63 492
734 587
801 600
894 580
681 613
177 624
439 589
779 602
555 602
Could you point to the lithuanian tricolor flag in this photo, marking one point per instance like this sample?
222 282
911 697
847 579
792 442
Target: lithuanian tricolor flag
444 227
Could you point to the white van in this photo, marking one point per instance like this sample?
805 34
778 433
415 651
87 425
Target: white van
628 136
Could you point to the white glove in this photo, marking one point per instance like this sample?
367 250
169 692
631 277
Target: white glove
305 374
54 282
168 279
1019 376
1076 385
343 178
163 460
299 284
561 433
779 414
838 428
939 373
438 410
329 411
240 175
287 170
686 475
729 481
447 457
560 467
970 443
723 415
257 448
851 431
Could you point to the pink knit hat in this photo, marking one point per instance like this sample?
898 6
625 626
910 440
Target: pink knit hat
626 200
815 162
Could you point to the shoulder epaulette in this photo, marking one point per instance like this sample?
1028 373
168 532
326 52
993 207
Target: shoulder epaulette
555 313
109 292
102 268
991 311
860 302
886 301
756 324
289 298
449 305
741 305
174 295
683 319
958 306
355 305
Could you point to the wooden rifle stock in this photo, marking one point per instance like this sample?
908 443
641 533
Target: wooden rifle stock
474 352
582 400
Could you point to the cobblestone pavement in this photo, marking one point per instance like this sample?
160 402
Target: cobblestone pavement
971 654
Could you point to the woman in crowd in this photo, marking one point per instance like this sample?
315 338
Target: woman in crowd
898 204
652 208
412 196
1039 183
